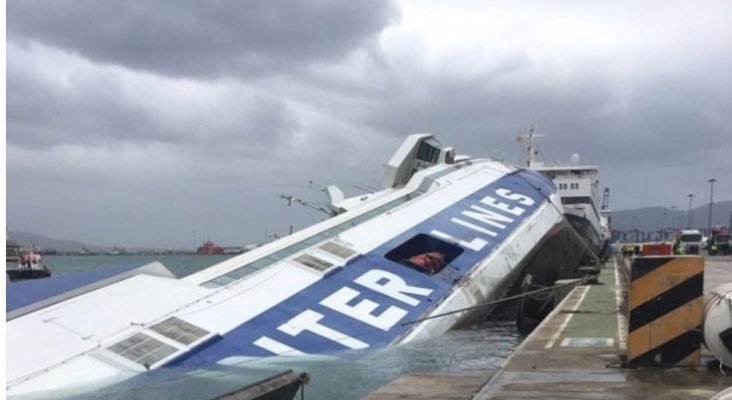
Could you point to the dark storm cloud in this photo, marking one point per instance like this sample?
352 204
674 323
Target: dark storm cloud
84 105
147 108
90 112
488 107
201 38
638 122
664 124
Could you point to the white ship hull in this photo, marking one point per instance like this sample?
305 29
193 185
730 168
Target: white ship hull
585 219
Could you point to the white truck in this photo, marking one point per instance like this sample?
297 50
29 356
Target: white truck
690 240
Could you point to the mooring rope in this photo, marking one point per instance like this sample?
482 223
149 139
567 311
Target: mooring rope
489 303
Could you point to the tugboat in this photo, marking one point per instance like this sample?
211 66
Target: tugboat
210 248
30 266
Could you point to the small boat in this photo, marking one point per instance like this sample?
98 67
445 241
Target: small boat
30 266
210 248
446 233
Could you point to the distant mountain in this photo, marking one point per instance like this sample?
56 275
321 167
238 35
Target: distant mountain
652 219
42 243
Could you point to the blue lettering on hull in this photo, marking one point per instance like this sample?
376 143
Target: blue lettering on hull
365 305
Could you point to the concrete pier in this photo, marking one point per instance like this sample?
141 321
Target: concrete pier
577 353
433 386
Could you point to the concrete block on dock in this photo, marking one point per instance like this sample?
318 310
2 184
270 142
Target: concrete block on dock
665 311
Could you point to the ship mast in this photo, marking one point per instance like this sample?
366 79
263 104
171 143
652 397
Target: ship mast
531 150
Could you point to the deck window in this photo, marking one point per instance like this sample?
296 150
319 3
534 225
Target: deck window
313 262
180 331
143 349
422 244
337 250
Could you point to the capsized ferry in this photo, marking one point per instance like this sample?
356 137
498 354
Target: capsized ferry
342 285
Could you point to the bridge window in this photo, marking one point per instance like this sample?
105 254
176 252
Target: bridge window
427 152
425 253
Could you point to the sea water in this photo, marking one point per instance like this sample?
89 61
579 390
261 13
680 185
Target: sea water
180 265
351 376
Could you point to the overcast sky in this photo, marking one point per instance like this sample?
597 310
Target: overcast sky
138 123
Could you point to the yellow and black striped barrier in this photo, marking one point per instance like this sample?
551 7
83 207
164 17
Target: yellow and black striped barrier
665 311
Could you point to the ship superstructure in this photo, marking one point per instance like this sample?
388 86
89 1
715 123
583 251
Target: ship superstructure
578 187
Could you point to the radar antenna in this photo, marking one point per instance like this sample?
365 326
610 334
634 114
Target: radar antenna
531 149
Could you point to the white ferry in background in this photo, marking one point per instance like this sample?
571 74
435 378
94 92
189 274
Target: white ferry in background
606 224
577 185
342 285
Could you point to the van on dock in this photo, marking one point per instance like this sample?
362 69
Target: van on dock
690 240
